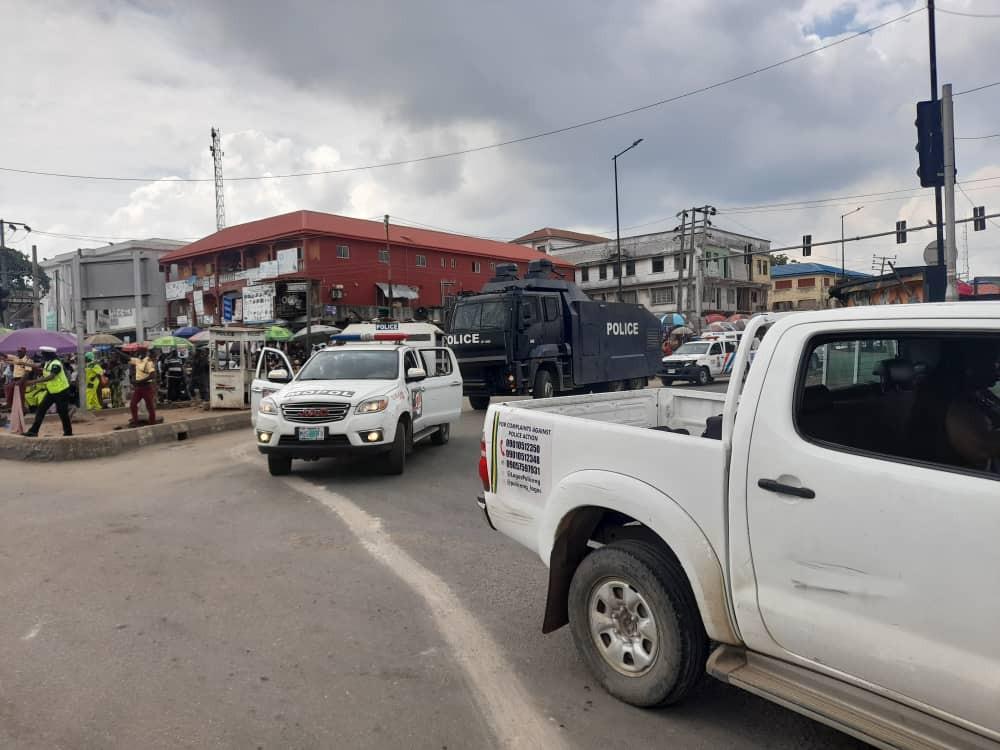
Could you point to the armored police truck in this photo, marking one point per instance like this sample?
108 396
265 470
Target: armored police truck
544 336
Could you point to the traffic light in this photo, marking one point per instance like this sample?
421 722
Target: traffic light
900 232
930 144
807 245
978 218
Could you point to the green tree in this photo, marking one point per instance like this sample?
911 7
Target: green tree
780 259
18 267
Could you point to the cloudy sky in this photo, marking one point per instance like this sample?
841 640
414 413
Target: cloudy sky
131 89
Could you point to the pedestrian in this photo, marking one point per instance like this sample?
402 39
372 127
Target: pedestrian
56 392
20 366
200 372
173 370
144 388
95 382
667 349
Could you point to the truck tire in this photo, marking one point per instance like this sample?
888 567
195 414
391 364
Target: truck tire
637 384
636 623
667 381
544 387
396 457
279 466
441 436
480 403
615 386
704 376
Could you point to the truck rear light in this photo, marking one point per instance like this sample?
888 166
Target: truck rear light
484 469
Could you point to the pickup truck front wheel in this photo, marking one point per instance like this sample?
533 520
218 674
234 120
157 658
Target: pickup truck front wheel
279 466
636 624
396 458
480 403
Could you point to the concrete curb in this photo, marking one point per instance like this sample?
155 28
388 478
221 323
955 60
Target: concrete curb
19 448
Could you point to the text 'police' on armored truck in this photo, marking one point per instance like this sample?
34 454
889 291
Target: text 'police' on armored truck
545 336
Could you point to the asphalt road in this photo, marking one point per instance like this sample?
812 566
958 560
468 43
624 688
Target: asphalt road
179 597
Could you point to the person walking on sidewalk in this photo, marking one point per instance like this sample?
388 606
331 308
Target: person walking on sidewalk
56 392
95 382
145 385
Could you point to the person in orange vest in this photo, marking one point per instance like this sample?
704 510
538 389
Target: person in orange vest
56 392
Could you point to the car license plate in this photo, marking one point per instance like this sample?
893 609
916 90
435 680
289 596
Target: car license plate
671 371
311 433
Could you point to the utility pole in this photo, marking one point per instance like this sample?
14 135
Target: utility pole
36 313
932 50
55 275
680 267
220 199
948 133
389 260
3 270
81 370
140 333
697 257
880 261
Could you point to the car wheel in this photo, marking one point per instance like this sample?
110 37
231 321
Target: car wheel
480 403
667 381
442 435
703 376
544 387
279 466
636 623
397 454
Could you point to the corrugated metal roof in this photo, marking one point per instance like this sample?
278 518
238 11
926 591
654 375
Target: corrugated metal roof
299 223
548 233
811 269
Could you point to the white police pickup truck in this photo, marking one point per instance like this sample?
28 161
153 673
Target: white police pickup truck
700 361
368 393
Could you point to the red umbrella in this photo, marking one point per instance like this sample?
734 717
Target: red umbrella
134 346
714 318
737 316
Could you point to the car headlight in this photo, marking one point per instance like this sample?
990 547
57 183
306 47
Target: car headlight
267 406
372 405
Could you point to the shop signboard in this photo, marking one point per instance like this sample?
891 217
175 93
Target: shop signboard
288 261
199 303
258 303
177 290
268 269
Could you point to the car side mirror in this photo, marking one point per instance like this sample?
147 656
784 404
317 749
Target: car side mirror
416 373
278 376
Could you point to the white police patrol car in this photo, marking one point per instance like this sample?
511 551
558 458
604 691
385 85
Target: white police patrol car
366 393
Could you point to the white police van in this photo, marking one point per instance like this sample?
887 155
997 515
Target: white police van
702 360
368 393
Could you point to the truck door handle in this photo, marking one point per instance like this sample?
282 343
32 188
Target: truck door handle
457 382
772 485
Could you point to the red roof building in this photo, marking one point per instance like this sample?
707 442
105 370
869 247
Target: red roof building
344 260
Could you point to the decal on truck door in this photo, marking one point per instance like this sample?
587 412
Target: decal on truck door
524 452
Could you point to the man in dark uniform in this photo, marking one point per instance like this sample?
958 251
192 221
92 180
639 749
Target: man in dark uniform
56 392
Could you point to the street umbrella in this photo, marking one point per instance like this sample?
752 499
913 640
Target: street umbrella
321 331
32 338
134 346
169 342
681 331
737 316
187 331
200 338
104 339
277 333
714 318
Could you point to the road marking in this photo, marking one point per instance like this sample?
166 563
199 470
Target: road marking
32 633
512 715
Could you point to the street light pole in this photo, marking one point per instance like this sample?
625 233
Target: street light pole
843 269
618 231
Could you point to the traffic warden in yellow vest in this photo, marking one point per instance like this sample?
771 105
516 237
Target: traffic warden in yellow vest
95 381
56 392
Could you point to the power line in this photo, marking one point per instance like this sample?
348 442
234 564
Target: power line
976 137
977 88
512 141
959 186
939 9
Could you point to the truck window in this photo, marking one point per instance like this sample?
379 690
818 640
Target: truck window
716 349
494 315
929 398
551 309
467 316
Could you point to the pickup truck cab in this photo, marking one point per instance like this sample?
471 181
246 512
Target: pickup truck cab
358 396
834 551
700 361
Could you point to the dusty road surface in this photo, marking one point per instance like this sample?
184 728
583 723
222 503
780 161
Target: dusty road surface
179 597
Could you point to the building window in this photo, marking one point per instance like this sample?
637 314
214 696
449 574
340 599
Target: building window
476 267
807 282
602 272
753 297
616 270
343 251
493 265
657 265
630 268
454 263
630 297
540 248
731 297
442 262
783 284
383 256
678 259
585 273
421 261
826 281
661 296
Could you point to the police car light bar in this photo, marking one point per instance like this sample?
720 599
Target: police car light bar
369 337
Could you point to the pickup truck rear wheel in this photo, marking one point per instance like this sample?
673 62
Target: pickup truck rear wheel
279 466
396 458
636 624
480 403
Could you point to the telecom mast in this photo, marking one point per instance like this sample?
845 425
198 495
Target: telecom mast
220 201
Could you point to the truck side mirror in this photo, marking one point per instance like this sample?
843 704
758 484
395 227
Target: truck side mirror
278 376
415 373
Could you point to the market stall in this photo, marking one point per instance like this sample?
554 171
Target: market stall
232 355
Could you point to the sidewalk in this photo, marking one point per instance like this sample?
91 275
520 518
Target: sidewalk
106 420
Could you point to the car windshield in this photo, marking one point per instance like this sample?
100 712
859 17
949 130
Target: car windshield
348 364
474 316
693 348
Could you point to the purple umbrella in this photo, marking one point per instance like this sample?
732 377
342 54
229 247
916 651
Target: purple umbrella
32 338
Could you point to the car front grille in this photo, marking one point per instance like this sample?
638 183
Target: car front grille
328 441
314 413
